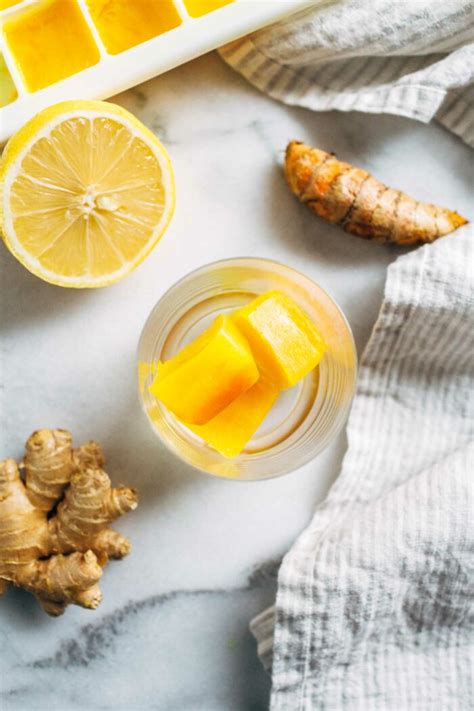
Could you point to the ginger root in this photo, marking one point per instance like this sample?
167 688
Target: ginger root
54 524
349 196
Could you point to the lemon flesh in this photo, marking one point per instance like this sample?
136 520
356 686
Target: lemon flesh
87 191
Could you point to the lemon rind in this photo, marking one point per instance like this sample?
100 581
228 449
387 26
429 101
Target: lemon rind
41 126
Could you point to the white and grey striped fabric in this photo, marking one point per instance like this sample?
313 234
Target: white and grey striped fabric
375 600
414 58
374 605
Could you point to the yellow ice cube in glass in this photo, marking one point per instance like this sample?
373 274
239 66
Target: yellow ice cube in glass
197 8
125 23
207 375
233 427
49 42
8 91
285 342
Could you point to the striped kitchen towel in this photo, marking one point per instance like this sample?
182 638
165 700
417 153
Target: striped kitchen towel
414 58
375 600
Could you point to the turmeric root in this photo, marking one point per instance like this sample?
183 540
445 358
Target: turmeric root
54 534
349 196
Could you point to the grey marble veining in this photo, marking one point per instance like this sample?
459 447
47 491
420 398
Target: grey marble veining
172 631
204 632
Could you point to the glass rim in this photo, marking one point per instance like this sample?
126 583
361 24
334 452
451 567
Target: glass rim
269 455
229 260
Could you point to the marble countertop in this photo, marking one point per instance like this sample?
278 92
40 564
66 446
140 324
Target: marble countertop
172 631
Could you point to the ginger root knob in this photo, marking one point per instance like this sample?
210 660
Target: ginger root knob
55 536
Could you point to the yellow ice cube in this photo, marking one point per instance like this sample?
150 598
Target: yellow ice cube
50 41
285 342
197 8
231 429
207 375
125 23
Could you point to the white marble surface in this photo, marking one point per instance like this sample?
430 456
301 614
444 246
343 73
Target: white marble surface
171 633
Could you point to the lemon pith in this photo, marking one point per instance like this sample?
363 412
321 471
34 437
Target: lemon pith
86 193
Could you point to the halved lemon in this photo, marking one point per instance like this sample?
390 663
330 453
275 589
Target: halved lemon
86 192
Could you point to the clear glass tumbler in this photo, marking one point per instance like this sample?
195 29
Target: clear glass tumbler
304 420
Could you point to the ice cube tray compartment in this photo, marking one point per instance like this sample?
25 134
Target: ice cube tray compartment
122 24
53 50
49 41
8 92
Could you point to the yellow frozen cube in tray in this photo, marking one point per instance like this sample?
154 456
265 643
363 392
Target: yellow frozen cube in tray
125 23
4 4
231 429
50 41
207 375
8 91
197 8
285 342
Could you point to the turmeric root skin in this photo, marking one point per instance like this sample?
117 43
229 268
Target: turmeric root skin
343 194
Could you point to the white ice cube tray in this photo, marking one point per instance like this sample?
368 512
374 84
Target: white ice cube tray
115 73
